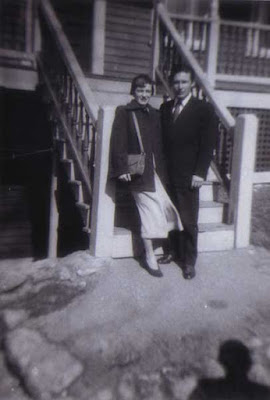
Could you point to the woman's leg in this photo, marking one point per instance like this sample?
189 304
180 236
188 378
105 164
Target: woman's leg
149 254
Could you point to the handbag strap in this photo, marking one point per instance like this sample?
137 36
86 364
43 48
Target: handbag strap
138 131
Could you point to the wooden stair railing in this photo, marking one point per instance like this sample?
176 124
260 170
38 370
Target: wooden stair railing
172 53
74 109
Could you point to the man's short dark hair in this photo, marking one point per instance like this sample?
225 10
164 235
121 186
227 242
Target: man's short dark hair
181 68
140 81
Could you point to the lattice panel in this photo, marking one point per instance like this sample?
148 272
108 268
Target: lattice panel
243 51
263 141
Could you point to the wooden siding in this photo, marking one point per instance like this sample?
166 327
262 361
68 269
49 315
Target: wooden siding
127 40
12 24
76 19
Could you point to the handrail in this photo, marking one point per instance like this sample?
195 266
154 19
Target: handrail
195 18
67 132
75 111
70 60
223 113
248 25
191 18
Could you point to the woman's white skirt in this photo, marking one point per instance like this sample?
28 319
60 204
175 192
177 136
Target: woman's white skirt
157 212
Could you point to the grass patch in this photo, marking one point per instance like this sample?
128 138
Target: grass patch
260 222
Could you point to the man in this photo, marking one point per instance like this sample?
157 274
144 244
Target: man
189 132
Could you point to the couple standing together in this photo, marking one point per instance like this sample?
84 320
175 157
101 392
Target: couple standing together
178 142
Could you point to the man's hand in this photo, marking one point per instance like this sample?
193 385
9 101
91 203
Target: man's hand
124 178
197 181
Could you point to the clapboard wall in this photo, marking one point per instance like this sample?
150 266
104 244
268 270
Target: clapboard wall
76 19
127 39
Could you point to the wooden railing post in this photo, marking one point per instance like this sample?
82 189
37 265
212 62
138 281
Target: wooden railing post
54 214
98 37
103 207
242 176
212 56
155 43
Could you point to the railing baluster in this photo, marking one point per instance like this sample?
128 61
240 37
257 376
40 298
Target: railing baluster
86 141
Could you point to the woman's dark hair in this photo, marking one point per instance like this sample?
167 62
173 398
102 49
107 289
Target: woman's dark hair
140 81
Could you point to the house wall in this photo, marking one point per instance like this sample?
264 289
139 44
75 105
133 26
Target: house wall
76 19
26 143
128 30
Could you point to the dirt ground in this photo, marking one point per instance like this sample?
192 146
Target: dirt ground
132 336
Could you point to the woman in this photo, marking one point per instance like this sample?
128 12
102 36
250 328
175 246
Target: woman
157 213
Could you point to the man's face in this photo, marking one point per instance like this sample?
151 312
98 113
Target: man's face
143 94
182 84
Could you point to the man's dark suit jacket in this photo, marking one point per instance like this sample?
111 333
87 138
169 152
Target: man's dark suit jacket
189 141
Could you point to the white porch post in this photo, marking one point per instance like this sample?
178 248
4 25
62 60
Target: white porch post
103 208
212 56
243 162
98 37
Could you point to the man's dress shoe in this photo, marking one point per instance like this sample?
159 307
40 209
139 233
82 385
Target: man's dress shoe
189 272
166 259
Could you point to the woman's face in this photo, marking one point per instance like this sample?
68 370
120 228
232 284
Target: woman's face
143 94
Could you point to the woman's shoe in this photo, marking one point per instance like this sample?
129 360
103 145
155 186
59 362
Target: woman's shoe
152 267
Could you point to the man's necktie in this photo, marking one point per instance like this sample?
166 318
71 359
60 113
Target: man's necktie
177 109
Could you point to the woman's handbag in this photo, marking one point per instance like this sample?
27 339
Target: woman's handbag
136 162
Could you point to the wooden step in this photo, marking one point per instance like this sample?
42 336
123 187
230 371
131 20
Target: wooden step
84 210
76 187
69 168
207 193
215 237
61 147
210 212
212 237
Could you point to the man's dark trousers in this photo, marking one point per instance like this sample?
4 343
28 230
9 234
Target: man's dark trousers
186 200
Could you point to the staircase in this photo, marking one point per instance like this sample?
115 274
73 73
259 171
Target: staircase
81 196
214 233
77 125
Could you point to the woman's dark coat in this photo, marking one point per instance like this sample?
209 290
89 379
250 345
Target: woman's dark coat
124 141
